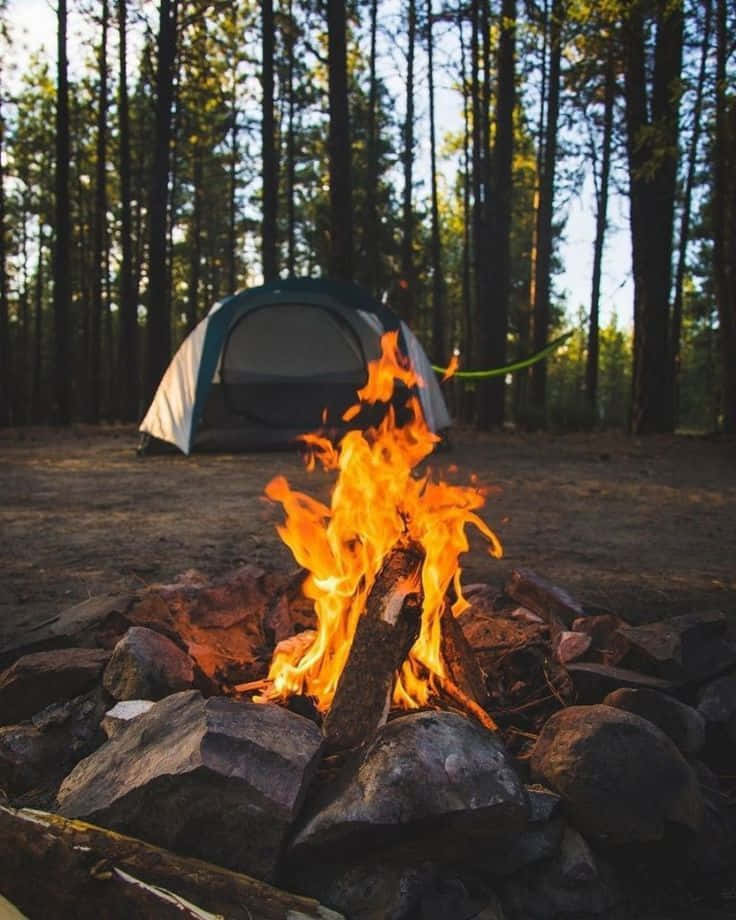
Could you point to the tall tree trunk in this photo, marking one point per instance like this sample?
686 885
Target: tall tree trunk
94 358
159 320
545 214
61 400
37 411
499 219
290 149
127 391
232 218
269 152
601 222
372 233
475 357
5 351
407 293
195 243
467 220
652 155
684 235
340 262
439 311
724 218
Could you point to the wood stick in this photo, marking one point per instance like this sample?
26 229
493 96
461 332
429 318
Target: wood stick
50 865
467 704
385 633
460 661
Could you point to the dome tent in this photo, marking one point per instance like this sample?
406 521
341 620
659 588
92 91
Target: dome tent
273 362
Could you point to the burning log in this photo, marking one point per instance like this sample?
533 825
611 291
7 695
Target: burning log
385 633
88 872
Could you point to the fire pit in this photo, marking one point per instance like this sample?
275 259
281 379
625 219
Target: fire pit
366 731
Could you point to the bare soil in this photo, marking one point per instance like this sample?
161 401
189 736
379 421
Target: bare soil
643 527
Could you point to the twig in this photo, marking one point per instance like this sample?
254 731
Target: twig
467 704
252 685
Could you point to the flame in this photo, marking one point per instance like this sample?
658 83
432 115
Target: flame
378 503
452 367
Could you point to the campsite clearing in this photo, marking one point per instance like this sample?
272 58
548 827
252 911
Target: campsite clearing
643 527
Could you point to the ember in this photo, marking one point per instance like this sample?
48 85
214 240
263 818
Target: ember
379 504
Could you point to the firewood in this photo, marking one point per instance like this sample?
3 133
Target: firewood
549 601
460 661
385 633
467 704
86 871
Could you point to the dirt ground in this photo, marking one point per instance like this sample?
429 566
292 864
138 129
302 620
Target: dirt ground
643 527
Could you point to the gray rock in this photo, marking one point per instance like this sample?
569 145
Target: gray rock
713 849
430 779
147 666
122 714
683 724
539 840
717 700
573 883
36 755
218 779
622 779
42 678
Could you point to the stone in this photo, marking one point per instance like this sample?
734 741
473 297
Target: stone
593 682
542 597
96 622
41 678
571 645
621 778
717 700
685 649
431 781
147 666
36 755
713 849
571 884
683 724
122 714
539 840
217 779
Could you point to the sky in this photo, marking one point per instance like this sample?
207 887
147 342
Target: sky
33 24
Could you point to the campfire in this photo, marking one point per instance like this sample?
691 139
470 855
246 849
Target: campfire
366 730
382 560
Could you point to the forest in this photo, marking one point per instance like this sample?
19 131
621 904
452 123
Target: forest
168 154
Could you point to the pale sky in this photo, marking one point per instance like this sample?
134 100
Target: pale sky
33 23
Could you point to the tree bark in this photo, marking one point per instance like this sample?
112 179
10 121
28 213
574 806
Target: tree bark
61 400
94 357
195 242
545 214
407 283
5 370
268 140
127 391
652 155
601 222
88 872
159 320
372 232
290 149
340 260
724 218
439 310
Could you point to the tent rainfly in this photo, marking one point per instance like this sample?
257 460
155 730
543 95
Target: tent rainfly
273 362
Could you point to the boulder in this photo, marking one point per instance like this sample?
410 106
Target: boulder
622 779
713 849
36 755
429 781
717 700
147 666
539 840
683 724
122 714
42 678
217 779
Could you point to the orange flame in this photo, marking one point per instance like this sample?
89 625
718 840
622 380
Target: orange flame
378 503
452 367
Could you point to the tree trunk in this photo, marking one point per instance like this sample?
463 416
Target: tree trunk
372 231
159 320
684 234
61 400
100 220
268 151
545 214
37 372
290 150
340 262
439 310
195 243
127 390
724 218
499 220
652 155
407 282
5 371
601 221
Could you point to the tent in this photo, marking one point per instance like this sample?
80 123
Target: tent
273 362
